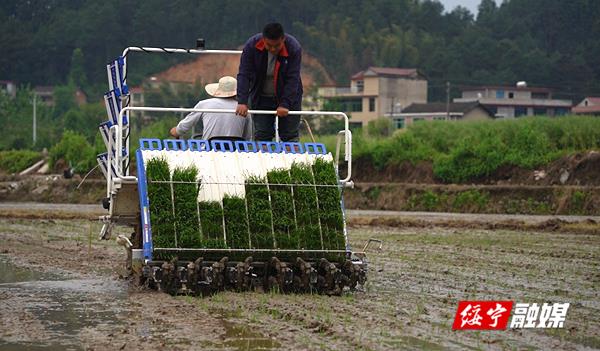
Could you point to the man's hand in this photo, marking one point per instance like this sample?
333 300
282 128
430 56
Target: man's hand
173 132
282 111
241 110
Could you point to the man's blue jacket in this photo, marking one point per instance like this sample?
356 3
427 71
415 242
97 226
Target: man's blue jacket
253 68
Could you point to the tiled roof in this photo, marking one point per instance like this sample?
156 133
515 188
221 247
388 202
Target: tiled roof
388 71
593 101
433 107
44 89
506 87
586 109
592 107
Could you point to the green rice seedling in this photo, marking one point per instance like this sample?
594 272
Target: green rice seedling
185 196
284 224
260 218
236 224
211 222
330 210
305 202
159 197
214 243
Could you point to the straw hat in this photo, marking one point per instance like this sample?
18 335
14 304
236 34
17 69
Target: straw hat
226 87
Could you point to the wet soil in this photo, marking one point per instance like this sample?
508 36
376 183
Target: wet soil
61 289
355 218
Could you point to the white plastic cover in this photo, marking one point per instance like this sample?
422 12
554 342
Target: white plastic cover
224 173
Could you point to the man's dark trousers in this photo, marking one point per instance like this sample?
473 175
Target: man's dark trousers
264 125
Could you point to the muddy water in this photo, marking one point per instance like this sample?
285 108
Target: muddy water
56 309
10 273
52 311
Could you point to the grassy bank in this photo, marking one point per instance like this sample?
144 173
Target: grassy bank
14 161
462 151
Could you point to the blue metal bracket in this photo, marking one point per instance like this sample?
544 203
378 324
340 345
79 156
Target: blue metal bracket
245 146
174 145
222 145
270 147
292 148
198 145
315 148
150 144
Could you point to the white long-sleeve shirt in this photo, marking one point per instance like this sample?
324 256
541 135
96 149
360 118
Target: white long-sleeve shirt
218 124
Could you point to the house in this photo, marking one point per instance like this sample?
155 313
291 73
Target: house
137 99
8 87
516 101
137 96
376 92
45 94
80 97
457 111
588 106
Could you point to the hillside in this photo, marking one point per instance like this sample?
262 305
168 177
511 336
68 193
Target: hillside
209 68
550 43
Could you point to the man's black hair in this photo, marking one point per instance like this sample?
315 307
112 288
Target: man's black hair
273 31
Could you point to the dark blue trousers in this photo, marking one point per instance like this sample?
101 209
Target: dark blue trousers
264 125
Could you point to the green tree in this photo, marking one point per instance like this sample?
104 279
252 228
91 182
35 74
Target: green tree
77 75
75 150
43 45
64 99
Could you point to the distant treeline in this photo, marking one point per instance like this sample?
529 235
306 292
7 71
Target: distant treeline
545 42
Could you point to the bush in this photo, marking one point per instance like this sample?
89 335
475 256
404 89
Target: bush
75 149
157 129
381 127
14 161
427 201
529 148
470 201
470 159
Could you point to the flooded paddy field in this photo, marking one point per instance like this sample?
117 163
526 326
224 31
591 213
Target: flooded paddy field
62 289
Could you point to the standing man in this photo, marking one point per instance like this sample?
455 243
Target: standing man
269 79
219 126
